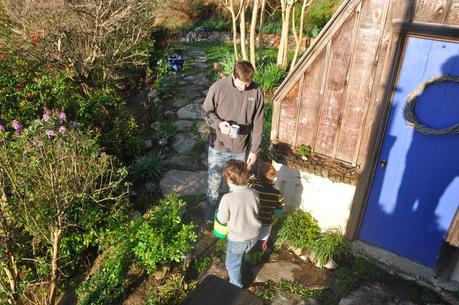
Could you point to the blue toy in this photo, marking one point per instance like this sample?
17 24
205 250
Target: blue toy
176 62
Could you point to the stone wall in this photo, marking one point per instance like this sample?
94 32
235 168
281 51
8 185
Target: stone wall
268 40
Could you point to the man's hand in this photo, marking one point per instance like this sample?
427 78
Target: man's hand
224 127
251 159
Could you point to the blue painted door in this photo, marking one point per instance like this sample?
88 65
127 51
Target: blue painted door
415 191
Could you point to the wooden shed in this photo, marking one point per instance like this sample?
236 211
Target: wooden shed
347 100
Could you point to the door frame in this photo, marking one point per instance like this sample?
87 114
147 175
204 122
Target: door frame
391 71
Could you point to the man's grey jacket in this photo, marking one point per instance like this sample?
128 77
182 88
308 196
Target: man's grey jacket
224 102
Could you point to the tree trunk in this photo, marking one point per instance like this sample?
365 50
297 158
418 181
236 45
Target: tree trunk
56 236
260 26
253 25
242 30
298 38
280 52
233 17
12 280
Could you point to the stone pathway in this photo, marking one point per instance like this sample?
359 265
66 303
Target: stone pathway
192 85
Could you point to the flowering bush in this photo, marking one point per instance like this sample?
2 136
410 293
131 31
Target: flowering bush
54 181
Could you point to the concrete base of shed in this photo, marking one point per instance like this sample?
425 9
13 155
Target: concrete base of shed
404 267
328 202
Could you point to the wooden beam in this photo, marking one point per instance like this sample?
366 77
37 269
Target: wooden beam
433 30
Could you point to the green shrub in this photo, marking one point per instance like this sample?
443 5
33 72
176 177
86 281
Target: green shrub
147 168
216 24
269 75
26 87
228 63
266 139
157 239
160 237
272 28
109 282
304 150
318 15
299 230
329 245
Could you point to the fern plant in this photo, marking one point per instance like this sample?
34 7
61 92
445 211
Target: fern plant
146 168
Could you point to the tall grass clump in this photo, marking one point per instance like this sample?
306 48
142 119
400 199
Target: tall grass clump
299 230
329 245
269 75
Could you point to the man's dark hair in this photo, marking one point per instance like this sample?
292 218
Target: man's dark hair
243 70
235 172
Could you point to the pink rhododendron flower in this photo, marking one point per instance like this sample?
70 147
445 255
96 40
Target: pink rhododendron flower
62 130
73 124
38 143
50 133
16 124
17 127
46 115
62 116
2 127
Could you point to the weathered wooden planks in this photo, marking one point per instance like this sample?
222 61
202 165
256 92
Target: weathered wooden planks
452 16
310 101
331 114
361 79
433 11
287 117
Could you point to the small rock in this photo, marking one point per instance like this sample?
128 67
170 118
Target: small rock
185 161
150 186
192 111
303 257
331 265
184 183
134 215
148 144
217 267
133 193
155 125
181 101
184 125
297 251
437 289
187 260
277 271
162 142
169 115
183 142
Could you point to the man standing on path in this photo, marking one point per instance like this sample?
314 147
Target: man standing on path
233 109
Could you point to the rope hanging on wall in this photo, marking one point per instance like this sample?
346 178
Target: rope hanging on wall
410 116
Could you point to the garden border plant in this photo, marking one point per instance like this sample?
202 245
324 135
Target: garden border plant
53 178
